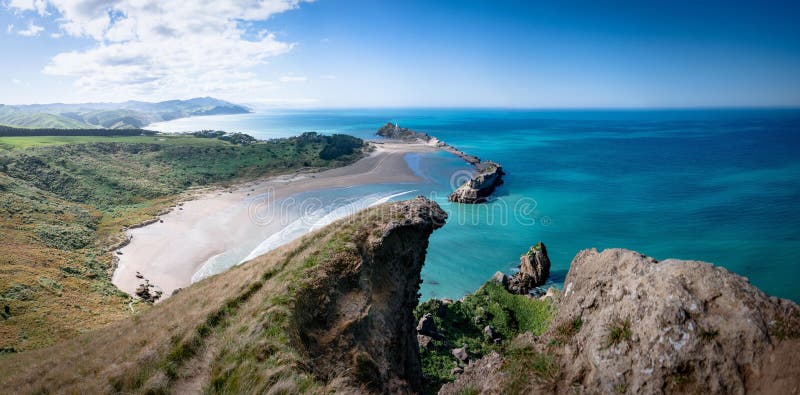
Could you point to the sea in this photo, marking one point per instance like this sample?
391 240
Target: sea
716 185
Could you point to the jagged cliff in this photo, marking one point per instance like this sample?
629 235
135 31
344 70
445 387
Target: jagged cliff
329 312
335 312
627 323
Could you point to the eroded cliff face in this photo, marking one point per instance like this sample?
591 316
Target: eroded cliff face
627 323
358 328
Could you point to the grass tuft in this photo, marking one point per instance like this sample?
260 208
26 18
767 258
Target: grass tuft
618 331
525 366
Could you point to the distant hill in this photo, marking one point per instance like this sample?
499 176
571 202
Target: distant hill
130 114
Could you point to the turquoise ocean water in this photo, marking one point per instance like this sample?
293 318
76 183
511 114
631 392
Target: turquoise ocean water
714 185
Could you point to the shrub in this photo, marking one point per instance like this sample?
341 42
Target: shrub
64 237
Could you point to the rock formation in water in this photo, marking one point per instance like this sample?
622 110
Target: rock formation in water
627 323
488 175
534 269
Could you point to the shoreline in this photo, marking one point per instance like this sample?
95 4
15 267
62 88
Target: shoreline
172 248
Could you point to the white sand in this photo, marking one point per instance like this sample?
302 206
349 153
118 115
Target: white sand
170 253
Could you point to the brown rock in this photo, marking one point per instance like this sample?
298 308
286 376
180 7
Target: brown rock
534 269
426 326
360 318
460 353
500 278
477 189
628 323
425 342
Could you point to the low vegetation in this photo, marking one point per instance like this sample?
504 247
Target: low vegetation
127 115
64 200
7 131
619 331
525 366
462 323
236 332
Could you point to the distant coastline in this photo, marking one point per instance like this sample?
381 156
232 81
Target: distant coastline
125 115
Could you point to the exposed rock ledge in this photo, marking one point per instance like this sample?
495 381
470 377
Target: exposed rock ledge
627 323
488 175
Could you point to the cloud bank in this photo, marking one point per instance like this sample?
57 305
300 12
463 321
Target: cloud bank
165 48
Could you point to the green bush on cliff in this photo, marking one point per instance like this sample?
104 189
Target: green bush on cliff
461 324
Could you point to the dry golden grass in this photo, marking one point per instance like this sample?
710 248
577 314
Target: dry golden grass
230 333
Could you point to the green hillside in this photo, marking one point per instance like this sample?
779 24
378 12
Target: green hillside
39 120
130 114
64 199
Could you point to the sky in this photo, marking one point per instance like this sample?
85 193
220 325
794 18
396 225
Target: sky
348 53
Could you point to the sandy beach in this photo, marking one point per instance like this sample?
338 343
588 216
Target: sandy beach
226 223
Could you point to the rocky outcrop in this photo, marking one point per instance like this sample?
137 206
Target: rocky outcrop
393 132
358 327
627 323
488 177
146 291
534 269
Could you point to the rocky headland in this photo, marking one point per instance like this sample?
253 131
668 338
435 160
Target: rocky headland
488 175
337 312
626 323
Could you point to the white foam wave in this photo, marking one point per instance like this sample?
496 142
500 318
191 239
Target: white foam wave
309 222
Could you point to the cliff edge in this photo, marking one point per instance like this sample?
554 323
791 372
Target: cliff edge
330 312
627 323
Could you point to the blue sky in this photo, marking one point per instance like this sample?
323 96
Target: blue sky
331 53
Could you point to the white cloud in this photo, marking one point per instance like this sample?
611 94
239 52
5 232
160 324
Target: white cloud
166 48
31 31
40 6
10 29
292 78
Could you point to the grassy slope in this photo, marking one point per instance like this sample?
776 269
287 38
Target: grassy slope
231 333
63 201
462 322
40 120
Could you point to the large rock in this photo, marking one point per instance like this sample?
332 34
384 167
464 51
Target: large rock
460 353
359 328
534 269
628 323
394 132
477 189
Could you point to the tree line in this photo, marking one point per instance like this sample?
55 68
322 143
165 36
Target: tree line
8 131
